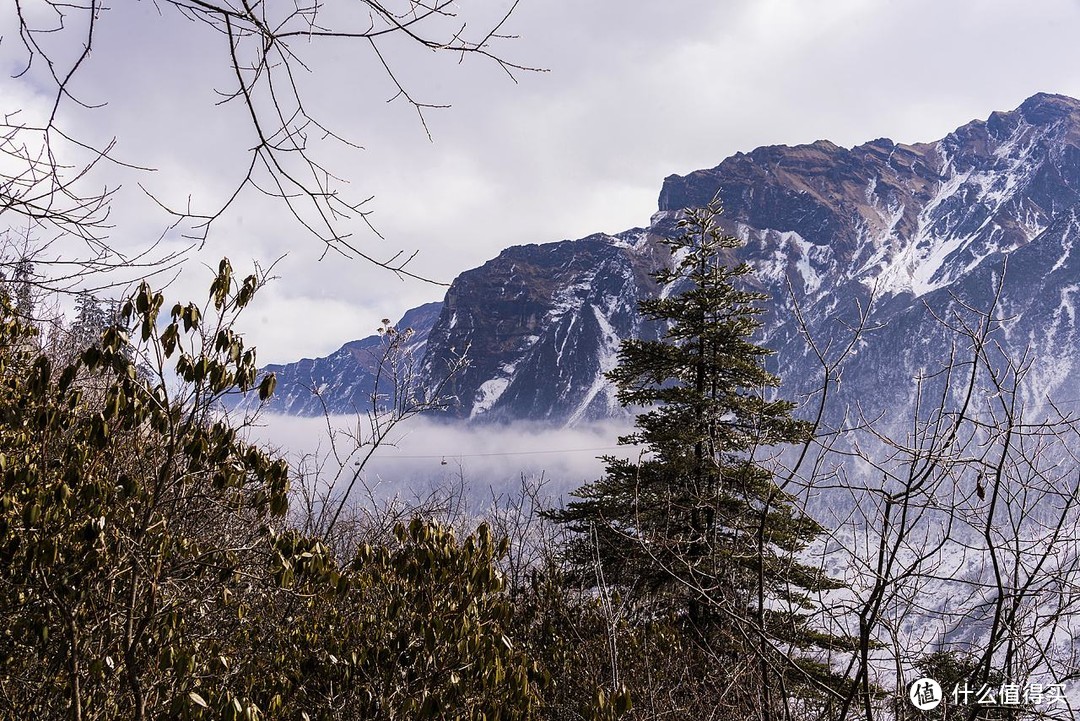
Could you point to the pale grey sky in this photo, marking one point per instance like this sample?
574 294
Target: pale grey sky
634 91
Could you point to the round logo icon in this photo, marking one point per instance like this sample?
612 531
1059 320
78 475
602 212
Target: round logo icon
925 694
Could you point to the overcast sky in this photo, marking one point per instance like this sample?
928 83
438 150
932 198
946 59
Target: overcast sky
633 91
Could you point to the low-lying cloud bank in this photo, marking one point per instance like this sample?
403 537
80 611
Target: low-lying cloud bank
421 456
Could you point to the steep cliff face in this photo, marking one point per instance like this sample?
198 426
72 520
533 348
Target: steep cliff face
914 233
913 218
541 325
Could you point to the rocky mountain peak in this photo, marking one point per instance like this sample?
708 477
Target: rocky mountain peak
894 226
1046 108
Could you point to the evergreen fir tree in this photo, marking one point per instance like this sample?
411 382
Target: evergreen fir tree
699 524
18 289
91 320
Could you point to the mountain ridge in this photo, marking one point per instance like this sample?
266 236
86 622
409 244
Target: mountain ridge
881 229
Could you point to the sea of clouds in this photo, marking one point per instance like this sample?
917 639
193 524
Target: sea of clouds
420 457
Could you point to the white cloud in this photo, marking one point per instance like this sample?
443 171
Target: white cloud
422 454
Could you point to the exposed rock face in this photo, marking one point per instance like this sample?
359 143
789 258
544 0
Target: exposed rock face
920 229
541 325
915 217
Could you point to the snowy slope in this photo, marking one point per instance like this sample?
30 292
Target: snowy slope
909 232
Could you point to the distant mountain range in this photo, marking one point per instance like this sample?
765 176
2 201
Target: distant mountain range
344 381
914 233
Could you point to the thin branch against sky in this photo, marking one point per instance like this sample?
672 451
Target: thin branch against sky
634 93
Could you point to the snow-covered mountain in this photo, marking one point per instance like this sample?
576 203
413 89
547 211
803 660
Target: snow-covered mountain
542 324
914 233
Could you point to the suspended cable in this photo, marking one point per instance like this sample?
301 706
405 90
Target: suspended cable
500 453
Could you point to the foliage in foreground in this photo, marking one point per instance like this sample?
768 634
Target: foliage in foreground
151 565
147 569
